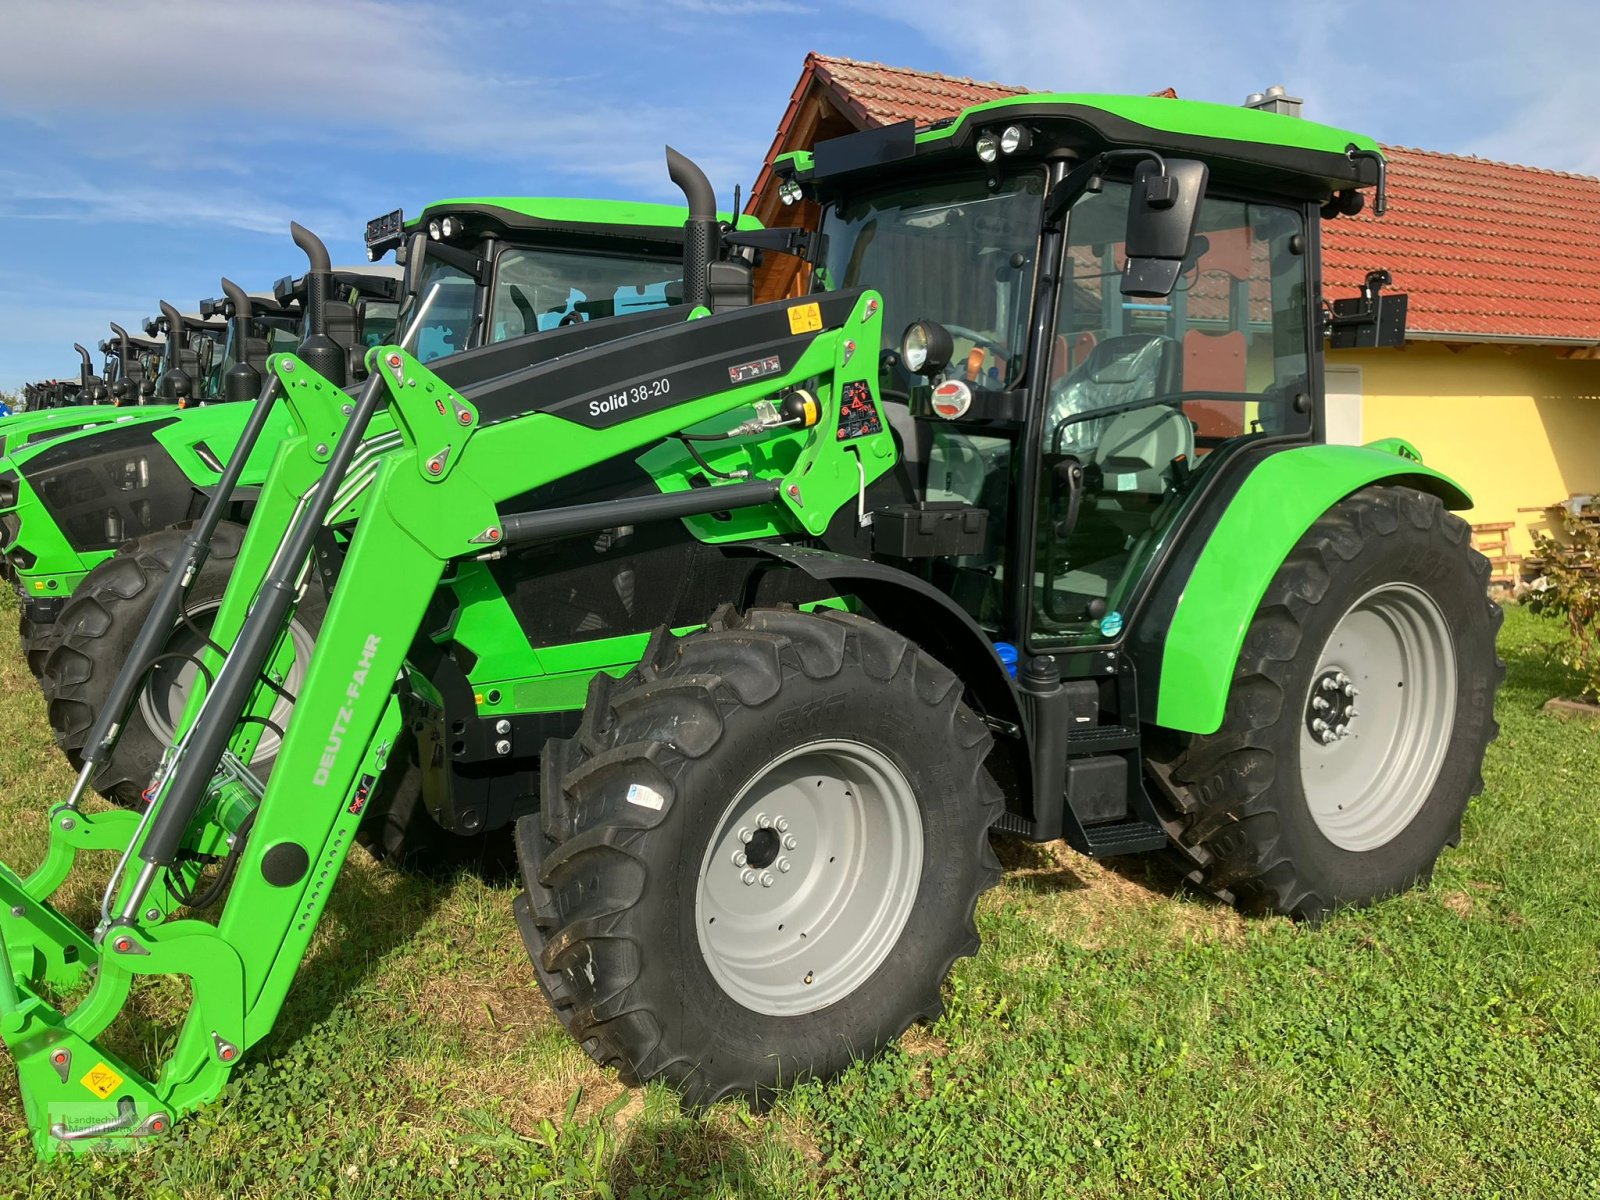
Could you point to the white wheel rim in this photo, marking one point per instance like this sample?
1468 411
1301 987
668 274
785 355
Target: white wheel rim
1372 750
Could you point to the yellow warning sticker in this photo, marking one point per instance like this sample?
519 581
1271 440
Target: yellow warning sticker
102 1081
805 318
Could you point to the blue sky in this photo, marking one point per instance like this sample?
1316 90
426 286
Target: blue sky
149 146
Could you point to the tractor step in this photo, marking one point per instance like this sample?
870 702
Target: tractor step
1099 841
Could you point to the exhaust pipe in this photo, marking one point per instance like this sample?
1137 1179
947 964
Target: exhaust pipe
122 390
320 352
243 380
701 232
85 371
175 382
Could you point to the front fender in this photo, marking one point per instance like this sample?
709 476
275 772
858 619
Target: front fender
1280 499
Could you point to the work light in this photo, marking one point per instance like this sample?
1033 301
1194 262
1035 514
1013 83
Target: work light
434 231
925 348
789 191
1014 139
988 146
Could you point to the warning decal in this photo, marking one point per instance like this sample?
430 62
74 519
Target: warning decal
102 1081
805 318
858 415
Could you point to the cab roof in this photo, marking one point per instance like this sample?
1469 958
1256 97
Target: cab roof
556 214
1300 157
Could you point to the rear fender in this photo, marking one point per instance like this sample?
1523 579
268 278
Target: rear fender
1216 600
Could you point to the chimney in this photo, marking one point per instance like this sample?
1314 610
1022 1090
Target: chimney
1275 100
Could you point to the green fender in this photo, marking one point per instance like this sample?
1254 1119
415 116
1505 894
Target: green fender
1280 500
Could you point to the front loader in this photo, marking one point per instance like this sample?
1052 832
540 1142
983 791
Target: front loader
477 272
716 616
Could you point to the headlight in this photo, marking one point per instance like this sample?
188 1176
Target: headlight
789 191
988 146
1014 138
925 348
449 227
434 231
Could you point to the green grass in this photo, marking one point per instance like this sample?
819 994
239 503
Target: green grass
1115 1037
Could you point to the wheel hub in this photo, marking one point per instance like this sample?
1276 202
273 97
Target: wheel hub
809 877
1332 706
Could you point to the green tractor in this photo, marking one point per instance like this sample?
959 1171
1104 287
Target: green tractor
478 271
717 618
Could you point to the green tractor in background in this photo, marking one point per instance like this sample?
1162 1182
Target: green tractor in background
751 627
479 271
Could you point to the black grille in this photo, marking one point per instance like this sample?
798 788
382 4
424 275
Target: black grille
106 488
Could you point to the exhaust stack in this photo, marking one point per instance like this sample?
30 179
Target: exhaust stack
175 382
320 352
243 380
701 231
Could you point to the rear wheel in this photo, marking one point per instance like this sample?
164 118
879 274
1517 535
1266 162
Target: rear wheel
1359 713
761 855
98 627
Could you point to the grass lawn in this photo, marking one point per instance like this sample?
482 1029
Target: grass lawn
1115 1037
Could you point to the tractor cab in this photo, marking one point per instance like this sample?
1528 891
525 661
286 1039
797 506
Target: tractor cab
189 347
130 362
259 324
1105 300
479 271
361 308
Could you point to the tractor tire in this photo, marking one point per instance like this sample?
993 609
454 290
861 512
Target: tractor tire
693 917
1361 707
398 830
38 643
98 626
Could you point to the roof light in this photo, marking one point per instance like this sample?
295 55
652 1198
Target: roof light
434 231
790 191
449 227
1014 139
988 146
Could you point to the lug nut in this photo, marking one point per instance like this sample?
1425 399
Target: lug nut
1351 713
1350 690
763 820
1343 733
740 858
1329 685
1327 736
748 878
784 864
1342 679
1319 726
781 824
766 879
790 842
745 835
1319 704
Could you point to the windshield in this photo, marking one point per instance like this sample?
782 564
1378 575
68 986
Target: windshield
953 252
536 290
447 291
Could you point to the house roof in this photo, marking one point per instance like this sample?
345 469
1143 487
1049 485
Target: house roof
1486 250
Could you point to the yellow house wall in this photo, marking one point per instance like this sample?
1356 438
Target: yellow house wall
1517 429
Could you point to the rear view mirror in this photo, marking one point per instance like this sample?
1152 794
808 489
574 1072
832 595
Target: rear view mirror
1162 216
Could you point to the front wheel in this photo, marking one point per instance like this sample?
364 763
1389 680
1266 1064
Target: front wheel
761 854
1359 714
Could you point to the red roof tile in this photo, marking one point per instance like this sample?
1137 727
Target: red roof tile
1484 248
880 95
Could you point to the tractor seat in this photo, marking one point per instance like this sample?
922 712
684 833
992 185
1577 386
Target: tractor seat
1118 370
